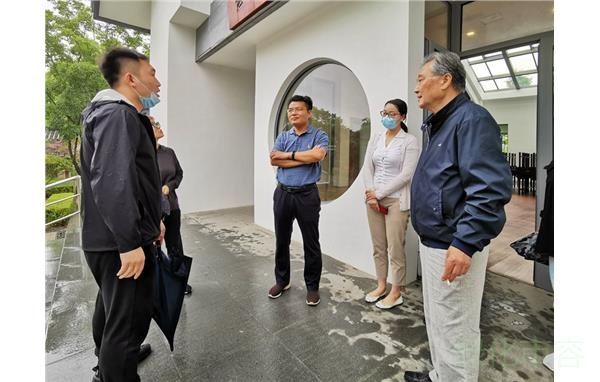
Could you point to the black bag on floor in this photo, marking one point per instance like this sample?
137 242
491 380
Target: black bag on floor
525 247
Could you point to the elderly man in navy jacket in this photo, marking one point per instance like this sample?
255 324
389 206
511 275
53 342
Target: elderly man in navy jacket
459 190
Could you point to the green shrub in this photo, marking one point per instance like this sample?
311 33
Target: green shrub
57 166
58 210
64 188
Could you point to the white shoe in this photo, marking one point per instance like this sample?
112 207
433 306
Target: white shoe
398 302
369 298
549 361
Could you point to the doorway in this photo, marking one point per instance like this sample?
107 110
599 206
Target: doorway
513 81
504 80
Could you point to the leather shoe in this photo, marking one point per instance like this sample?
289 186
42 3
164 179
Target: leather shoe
96 376
416 376
143 353
145 350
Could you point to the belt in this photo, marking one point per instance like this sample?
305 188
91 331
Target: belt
293 190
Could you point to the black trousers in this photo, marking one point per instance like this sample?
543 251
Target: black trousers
304 206
173 233
122 316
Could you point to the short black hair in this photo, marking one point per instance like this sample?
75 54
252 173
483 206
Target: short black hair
112 63
299 98
402 109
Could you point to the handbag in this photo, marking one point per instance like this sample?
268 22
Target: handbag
525 247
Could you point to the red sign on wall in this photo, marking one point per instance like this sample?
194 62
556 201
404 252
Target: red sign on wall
240 10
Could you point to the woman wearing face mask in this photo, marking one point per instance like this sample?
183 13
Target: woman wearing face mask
171 175
390 162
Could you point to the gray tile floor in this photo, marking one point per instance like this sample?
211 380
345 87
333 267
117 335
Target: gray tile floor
230 330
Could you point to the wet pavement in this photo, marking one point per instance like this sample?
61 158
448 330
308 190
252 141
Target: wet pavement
229 329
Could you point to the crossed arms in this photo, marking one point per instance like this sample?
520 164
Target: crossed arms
284 159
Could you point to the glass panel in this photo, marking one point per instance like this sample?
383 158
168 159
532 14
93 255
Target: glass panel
523 63
497 21
535 57
481 70
504 135
519 49
436 22
488 85
491 55
527 80
475 59
340 108
498 67
505 83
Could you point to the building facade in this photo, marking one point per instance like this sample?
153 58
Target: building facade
228 67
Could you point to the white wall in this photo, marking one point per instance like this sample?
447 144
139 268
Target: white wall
161 12
207 113
373 41
520 115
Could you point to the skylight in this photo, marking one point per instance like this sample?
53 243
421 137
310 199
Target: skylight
509 69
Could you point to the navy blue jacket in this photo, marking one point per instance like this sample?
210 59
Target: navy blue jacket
462 180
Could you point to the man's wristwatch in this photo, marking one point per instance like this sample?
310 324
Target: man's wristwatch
293 155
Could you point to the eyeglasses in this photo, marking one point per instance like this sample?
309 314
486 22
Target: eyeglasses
392 114
295 109
156 125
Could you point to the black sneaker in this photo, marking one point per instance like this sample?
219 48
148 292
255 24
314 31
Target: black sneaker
188 290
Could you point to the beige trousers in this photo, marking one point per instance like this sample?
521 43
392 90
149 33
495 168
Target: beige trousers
388 236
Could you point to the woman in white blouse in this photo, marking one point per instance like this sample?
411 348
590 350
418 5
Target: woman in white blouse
389 166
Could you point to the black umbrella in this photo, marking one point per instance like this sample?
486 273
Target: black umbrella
170 280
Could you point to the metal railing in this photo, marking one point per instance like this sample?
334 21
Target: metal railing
77 194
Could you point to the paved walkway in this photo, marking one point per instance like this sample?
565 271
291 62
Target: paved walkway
230 330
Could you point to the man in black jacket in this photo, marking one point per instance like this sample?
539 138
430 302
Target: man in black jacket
458 193
121 210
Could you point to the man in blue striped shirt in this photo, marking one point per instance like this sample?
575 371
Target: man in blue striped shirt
297 154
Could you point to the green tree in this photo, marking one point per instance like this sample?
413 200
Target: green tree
74 44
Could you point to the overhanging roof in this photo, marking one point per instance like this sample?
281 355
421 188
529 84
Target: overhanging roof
129 14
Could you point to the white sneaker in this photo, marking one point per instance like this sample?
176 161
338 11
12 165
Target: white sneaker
398 302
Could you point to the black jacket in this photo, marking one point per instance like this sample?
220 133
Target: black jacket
462 180
171 173
120 177
545 239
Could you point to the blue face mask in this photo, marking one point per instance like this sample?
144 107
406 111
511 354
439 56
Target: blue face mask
388 122
148 102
